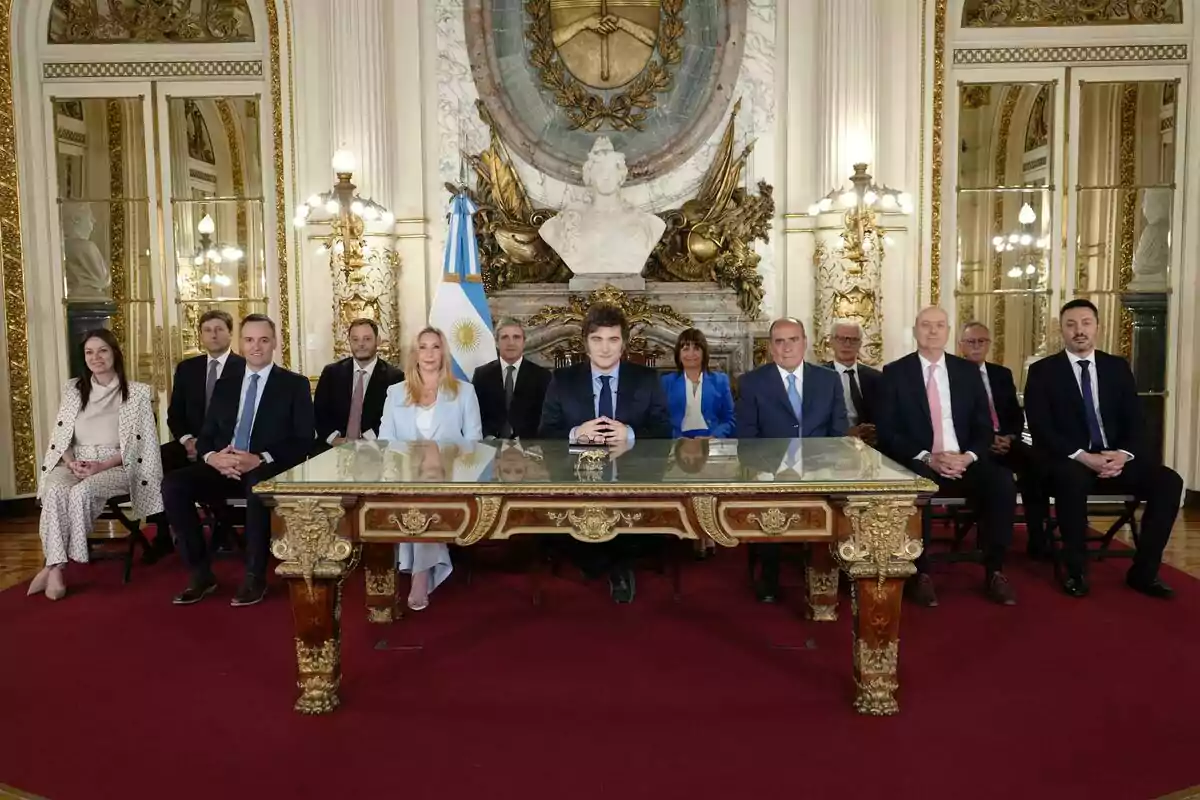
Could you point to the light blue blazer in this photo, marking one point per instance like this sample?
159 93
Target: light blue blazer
716 403
454 418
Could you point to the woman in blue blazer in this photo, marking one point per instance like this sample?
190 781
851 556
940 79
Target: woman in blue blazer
699 401
429 405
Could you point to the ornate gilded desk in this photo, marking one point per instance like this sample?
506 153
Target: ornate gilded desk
353 503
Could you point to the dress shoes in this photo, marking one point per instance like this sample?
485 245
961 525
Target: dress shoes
198 588
999 590
1151 588
38 584
251 592
1076 586
621 585
767 591
921 591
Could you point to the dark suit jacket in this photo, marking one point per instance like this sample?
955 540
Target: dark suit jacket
529 393
640 402
1054 405
335 389
283 425
870 381
904 427
764 411
1004 396
185 413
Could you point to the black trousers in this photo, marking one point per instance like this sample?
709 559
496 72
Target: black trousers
1159 487
988 488
1032 477
200 483
174 457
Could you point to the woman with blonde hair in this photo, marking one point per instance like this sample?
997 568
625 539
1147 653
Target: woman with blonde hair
430 404
103 444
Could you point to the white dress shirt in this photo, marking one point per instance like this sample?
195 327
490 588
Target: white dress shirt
1093 374
693 416
798 372
370 370
942 381
263 374
221 359
504 365
843 372
987 387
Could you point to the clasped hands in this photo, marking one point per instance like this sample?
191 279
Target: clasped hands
86 469
1106 463
1001 444
603 430
234 463
950 465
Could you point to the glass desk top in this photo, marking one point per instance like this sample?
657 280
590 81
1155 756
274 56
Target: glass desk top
803 465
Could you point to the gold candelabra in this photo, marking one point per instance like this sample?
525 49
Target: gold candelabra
862 236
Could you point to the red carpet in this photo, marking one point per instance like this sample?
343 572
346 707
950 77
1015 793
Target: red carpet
116 693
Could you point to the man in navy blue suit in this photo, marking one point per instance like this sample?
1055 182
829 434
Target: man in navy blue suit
787 399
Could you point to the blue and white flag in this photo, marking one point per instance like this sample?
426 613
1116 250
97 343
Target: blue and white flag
460 307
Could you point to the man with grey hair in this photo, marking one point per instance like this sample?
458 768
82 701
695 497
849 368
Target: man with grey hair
860 383
511 389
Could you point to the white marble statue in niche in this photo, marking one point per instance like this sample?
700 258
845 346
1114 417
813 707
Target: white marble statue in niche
88 277
1153 253
605 236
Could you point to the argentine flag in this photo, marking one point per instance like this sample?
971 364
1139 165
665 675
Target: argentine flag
460 307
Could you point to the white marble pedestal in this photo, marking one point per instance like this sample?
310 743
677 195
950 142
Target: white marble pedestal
590 283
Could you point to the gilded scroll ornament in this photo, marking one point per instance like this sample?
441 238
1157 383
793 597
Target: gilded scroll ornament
879 545
773 522
605 46
1062 13
638 311
877 696
871 660
485 520
822 584
317 666
593 523
310 546
159 21
413 522
937 155
705 507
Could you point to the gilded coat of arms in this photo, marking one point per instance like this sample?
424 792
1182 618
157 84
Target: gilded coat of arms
623 49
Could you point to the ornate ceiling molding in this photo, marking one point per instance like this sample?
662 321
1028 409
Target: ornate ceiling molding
1086 54
1064 13
74 70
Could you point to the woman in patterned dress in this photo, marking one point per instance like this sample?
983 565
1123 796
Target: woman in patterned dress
104 443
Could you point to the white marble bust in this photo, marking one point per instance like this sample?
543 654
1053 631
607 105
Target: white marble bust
86 270
605 236
1153 253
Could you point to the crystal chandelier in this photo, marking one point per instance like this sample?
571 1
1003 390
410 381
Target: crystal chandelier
862 236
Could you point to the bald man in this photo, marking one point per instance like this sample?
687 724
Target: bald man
934 420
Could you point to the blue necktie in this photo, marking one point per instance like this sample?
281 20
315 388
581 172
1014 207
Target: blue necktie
794 398
605 407
241 439
1089 406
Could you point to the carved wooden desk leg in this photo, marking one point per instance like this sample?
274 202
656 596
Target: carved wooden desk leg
877 552
822 574
314 561
379 563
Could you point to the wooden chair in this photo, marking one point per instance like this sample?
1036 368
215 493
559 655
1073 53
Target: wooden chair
1099 546
126 528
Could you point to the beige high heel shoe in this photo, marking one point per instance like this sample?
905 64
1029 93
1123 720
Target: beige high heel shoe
38 584
418 594
56 589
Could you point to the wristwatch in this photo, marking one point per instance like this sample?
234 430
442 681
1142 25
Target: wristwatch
925 459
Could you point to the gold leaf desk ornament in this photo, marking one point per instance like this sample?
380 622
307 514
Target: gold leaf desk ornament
594 523
774 522
413 522
310 546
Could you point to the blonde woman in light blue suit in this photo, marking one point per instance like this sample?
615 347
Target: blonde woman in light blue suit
429 405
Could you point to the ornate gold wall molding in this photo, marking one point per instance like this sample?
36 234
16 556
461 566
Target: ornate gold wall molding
1063 13
999 178
1127 176
73 70
114 113
1115 53
11 253
281 215
935 173
158 22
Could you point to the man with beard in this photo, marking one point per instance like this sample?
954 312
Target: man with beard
350 393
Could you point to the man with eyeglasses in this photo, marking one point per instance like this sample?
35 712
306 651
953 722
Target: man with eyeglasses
860 383
1008 424
608 402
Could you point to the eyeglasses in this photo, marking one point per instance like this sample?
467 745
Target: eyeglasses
848 339
976 342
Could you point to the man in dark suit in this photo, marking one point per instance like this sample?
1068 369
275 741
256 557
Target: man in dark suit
860 383
510 389
1086 422
1008 426
350 393
191 392
256 428
934 420
786 399
610 402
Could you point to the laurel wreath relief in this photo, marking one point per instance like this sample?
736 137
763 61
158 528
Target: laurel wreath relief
587 110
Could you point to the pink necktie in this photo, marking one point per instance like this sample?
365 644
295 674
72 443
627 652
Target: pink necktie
992 409
354 426
935 409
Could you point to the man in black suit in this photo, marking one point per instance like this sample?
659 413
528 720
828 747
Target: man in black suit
1086 422
934 420
256 428
1008 425
191 392
786 399
860 383
610 402
350 393
510 389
